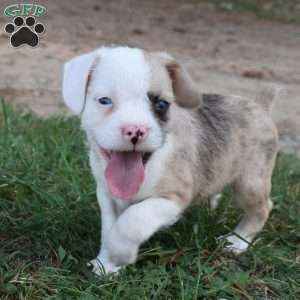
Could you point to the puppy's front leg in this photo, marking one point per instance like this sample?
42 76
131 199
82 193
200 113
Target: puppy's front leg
108 219
135 225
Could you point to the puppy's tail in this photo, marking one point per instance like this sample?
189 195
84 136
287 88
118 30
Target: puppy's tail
267 96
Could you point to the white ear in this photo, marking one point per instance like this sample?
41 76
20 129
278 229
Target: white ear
76 72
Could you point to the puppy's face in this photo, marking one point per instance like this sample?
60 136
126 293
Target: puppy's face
125 97
128 102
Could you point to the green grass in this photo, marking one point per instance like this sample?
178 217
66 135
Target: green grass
49 229
282 10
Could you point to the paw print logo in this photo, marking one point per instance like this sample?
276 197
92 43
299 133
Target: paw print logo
24 31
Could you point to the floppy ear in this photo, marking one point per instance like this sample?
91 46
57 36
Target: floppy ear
75 80
185 89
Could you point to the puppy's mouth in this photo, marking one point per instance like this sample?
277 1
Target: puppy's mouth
125 172
108 154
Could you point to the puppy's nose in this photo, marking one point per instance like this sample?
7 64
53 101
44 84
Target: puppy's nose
135 133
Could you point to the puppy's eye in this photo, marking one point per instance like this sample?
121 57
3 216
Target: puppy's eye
161 106
105 101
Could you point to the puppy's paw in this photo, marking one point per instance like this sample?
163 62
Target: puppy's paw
236 245
215 200
101 268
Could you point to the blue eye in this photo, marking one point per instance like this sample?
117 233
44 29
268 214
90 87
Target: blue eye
105 101
161 106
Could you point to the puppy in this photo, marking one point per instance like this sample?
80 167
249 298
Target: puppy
157 145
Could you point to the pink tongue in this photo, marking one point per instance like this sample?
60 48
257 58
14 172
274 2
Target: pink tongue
125 174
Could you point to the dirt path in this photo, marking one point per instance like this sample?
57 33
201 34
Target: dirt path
225 53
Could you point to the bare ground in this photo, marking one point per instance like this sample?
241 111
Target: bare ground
225 53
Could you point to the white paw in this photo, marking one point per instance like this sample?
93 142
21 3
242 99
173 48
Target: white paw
237 245
102 268
214 200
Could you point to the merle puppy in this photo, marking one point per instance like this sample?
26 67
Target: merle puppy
157 145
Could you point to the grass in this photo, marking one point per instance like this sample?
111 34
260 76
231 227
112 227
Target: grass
282 10
49 229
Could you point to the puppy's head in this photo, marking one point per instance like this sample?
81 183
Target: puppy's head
125 97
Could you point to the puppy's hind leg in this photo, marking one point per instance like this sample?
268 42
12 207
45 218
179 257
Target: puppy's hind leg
215 200
254 200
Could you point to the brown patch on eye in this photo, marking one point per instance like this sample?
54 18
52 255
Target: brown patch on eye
161 116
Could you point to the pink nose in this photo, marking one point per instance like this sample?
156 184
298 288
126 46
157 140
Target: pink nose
134 133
